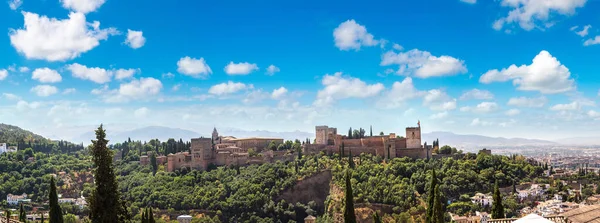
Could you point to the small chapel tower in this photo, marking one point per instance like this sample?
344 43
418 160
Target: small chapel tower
215 135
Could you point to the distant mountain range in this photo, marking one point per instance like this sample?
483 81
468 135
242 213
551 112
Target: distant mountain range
479 141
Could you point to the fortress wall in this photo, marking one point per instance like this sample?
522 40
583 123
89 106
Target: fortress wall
401 143
351 142
414 153
313 148
373 141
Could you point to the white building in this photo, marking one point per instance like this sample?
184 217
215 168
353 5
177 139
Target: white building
484 217
482 199
3 147
16 199
184 219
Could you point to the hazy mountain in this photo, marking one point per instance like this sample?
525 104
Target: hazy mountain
479 141
588 141
164 133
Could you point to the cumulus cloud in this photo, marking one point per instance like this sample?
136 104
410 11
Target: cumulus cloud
592 41
82 6
528 102
15 4
594 114
583 32
125 73
95 74
483 107
69 91
439 115
400 93
573 106
23 69
513 112
46 75
193 67
135 39
545 74
52 39
350 35
439 100
255 96
25 106
528 14
479 122
240 68
11 97
279 93
422 64
272 69
140 88
3 74
338 87
229 87
44 90
141 112
477 94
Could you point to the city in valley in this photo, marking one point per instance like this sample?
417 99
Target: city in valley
279 111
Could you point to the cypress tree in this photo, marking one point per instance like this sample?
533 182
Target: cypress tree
371 134
153 163
497 207
376 218
431 197
42 220
7 215
438 213
22 214
350 133
514 187
105 205
144 216
55 211
349 216
343 152
350 159
151 216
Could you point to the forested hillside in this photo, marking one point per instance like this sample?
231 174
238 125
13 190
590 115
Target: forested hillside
24 139
12 134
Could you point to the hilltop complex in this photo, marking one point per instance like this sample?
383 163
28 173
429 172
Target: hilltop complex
388 146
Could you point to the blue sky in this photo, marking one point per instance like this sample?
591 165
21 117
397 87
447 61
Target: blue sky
68 65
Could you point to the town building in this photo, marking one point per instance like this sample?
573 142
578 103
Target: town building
184 219
16 199
389 146
482 199
3 147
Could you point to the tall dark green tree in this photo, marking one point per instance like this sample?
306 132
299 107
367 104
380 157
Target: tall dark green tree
150 216
350 159
343 152
144 218
153 163
22 213
377 218
431 197
514 187
370 130
55 210
497 207
105 204
7 212
42 218
349 216
438 213
350 133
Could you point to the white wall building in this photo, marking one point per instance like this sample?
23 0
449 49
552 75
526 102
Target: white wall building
16 199
3 147
482 199
184 219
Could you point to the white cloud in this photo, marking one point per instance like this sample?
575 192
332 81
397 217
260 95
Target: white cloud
545 74
15 4
12 97
240 68
228 88
399 94
279 93
95 74
24 106
255 96
112 111
567 107
592 41
513 112
477 94
479 122
351 35
483 107
46 75
272 69
69 91
99 91
469 1
439 115
83 6
193 67
52 39
529 13
125 73
3 74
422 64
23 69
168 75
583 32
141 112
528 102
139 89
439 100
135 39
176 87
397 47
594 114
507 124
12 68
342 87
44 90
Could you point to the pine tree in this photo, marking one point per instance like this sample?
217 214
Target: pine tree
22 214
55 210
377 218
349 216
497 207
350 159
431 197
105 205
438 213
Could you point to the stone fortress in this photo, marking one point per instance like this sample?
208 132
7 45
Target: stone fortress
392 146
226 151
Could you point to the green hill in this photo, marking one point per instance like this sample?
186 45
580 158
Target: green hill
12 134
